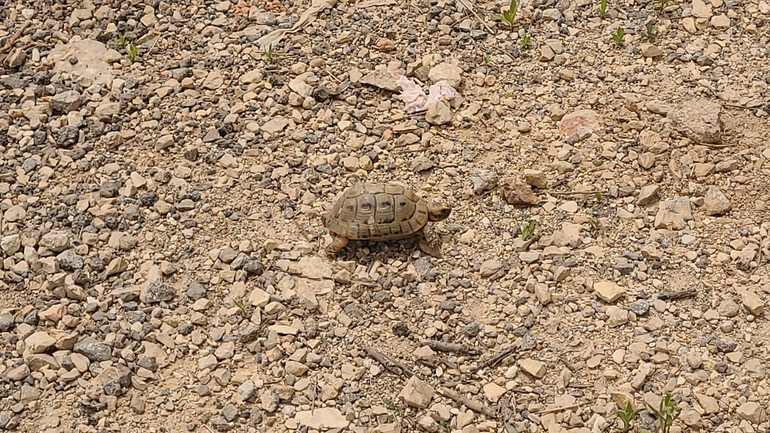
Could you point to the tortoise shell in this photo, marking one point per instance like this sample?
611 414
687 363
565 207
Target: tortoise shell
377 212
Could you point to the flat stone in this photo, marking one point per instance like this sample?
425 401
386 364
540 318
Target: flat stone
322 418
752 302
752 412
494 392
39 342
490 267
608 291
699 120
94 350
66 101
715 202
648 194
533 367
571 122
649 50
446 71
536 178
673 214
417 393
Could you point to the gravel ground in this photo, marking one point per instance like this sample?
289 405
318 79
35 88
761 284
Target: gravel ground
165 168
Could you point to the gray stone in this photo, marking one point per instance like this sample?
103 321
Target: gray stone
157 291
6 322
195 291
69 260
246 390
94 350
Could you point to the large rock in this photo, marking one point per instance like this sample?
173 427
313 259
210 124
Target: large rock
94 350
699 120
89 62
673 214
417 393
715 202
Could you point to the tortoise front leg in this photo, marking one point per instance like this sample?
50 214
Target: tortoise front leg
337 244
430 242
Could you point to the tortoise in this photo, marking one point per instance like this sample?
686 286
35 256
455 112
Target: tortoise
384 211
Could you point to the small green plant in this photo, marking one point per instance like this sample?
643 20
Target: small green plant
650 32
509 16
596 226
617 37
528 230
526 42
128 46
245 306
662 5
393 407
486 59
445 426
599 197
602 8
131 52
627 416
271 55
666 413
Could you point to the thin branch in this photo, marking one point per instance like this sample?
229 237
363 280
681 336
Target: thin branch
473 405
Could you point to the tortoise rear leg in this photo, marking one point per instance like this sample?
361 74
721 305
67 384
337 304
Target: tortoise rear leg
338 243
430 242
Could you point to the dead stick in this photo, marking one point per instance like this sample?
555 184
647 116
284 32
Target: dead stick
576 192
672 296
345 281
448 347
388 362
558 409
491 362
473 405
15 37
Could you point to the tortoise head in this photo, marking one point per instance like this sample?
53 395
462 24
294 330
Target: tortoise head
438 211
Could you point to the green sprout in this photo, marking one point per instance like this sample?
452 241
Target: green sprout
597 226
245 306
270 53
627 416
526 42
650 32
131 52
666 413
393 407
486 59
599 197
662 5
509 16
617 37
603 8
128 46
445 427
528 230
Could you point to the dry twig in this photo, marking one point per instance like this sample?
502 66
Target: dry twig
473 405
449 347
388 362
674 295
9 45
493 361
